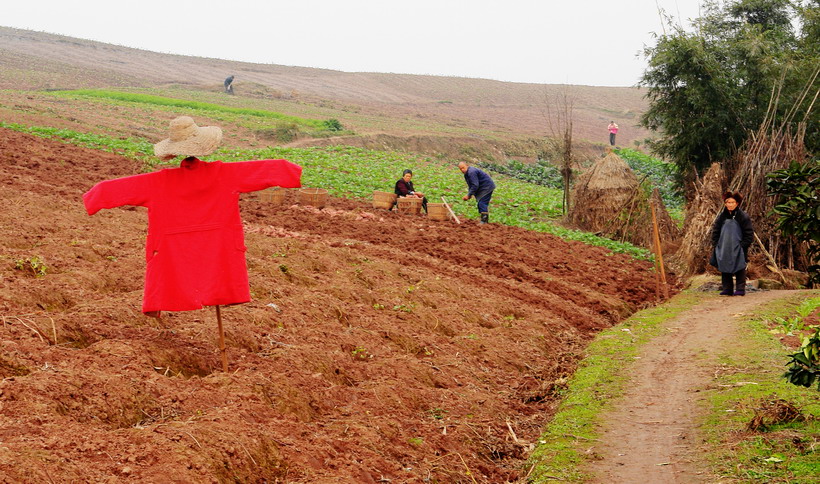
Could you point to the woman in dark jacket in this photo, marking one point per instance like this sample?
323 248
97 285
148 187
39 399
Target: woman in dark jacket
404 188
732 235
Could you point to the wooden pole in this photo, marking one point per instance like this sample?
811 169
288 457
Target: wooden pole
221 340
657 239
452 214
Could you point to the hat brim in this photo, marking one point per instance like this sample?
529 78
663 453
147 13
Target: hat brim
204 142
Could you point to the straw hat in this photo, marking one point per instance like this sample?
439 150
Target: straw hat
188 139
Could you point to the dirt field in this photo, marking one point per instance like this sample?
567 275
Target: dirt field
377 347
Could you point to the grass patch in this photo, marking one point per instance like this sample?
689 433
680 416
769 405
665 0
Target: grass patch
132 97
285 127
783 452
599 380
136 148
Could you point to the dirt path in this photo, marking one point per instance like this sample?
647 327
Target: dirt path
651 435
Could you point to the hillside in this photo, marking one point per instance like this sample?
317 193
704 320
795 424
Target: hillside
438 105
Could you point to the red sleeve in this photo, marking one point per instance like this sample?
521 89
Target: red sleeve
250 176
130 190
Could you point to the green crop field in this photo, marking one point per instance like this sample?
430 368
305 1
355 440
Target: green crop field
355 173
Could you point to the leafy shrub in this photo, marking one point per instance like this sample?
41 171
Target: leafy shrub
804 366
798 207
333 124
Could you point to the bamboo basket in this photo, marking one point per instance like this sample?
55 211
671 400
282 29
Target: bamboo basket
409 205
316 197
437 211
383 200
274 196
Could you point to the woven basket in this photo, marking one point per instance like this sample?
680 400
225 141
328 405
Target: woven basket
274 196
411 205
437 211
383 200
313 196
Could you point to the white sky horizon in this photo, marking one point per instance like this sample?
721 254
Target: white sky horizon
591 42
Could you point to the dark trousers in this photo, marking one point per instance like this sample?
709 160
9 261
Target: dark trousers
612 139
727 280
484 203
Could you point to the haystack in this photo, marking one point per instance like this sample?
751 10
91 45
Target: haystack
696 247
771 148
602 193
611 201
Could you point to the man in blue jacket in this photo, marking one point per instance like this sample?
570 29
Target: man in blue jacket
480 186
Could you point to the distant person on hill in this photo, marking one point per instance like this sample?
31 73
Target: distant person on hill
404 188
613 130
480 186
732 234
229 85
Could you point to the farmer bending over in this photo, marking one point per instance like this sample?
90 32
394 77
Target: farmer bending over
480 186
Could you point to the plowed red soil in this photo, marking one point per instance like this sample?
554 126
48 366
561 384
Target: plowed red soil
378 347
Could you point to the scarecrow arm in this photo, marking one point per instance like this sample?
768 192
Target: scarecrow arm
131 190
250 176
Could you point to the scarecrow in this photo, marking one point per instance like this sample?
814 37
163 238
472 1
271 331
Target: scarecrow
195 250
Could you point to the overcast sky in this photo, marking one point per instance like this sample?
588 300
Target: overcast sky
590 42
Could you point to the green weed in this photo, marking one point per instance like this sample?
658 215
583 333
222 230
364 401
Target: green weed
33 266
360 354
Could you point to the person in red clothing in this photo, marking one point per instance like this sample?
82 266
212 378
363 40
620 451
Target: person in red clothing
195 250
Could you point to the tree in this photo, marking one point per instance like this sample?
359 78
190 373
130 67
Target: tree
559 121
710 89
798 208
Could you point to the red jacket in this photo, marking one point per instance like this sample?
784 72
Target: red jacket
195 251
